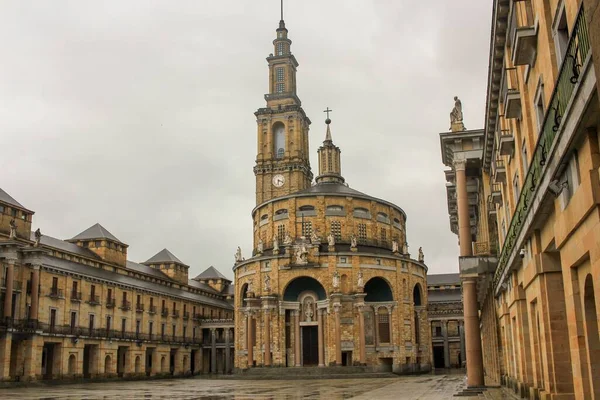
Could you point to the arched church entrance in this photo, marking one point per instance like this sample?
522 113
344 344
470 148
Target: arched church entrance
305 302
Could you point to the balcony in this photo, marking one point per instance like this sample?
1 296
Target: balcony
76 296
164 312
175 314
522 33
511 94
577 54
152 310
506 143
125 305
491 208
499 171
110 303
186 315
139 308
94 300
56 293
197 317
497 194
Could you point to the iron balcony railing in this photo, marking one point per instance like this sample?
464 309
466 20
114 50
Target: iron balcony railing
152 309
126 305
175 314
110 302
568 76
186 315
165 312
139 307
75 296
56 293
94 299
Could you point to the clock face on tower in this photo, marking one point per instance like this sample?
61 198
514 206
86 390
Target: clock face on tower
278 180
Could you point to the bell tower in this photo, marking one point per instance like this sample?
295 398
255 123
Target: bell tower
282 160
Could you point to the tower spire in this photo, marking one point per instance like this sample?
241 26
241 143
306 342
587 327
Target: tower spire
330 167
282 10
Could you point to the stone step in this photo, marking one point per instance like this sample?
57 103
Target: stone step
313 372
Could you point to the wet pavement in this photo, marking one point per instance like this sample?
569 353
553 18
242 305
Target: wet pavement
423 387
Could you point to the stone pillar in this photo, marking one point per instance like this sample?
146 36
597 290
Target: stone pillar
198 364
473 334
390 325
35 293
8 294
155 369
297 356
5 347
362 351
321 338
267 337
213 351
463 353
446 344
338 334
227 352
250 344
464 222
32 360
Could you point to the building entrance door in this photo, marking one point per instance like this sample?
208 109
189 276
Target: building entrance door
438 357
310 345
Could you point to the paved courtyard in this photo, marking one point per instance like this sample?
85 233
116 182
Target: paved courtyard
424 387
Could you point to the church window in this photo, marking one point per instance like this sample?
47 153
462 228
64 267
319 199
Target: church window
383 320
336 230
279 142
280 87
362 233
306 228
280 74
280 232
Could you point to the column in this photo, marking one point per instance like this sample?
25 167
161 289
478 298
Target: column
32 361
198 364
446 348
463 353
213 351
338 334
321 339
155 369
5 346
464 222
250 344
267 338
8 295
227 352
391 330
361 337
473 334
35 293
297 338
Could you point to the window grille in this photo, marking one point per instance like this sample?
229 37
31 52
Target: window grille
336 230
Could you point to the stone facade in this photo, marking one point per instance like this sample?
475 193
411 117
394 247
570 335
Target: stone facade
526 190
329 281
79 309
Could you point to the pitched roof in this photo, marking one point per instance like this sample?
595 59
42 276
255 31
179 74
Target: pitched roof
96 231
164 256
443 279
7 198
211 273
146 270
65 246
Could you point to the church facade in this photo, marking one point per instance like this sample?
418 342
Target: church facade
330 281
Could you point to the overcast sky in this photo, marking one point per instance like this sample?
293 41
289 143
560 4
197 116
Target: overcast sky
139 114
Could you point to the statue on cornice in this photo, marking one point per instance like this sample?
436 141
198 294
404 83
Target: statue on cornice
315 238
360 283
405 248
287 241
275 243
38 237
395 246
250 289
238 255
267 284
260 246
301 254
421 255
331 239
353 241
13 229
456 116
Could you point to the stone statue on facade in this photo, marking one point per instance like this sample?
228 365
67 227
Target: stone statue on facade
405 248
308 311
275 244
315 238
421 255
267 284
287 240
302 254
260 246
250 287
238 255
395 246
331 239
360 283
13 229
38 237
336 280
353 242
456 116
